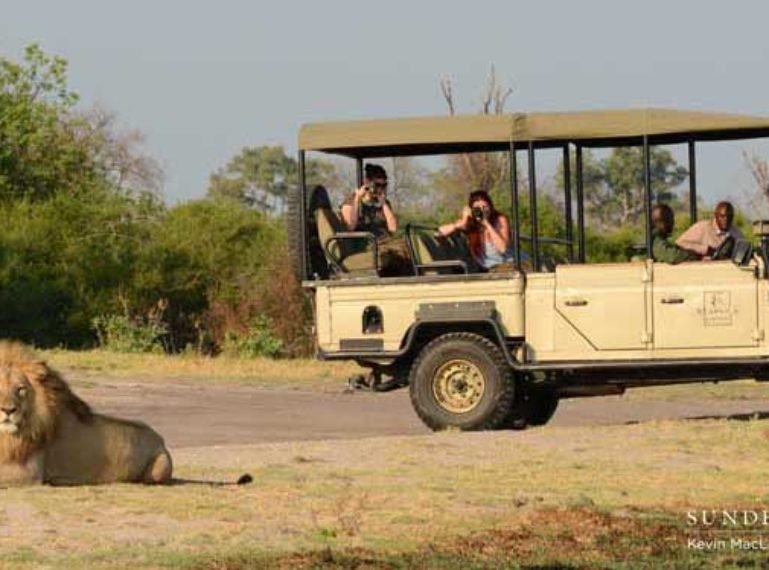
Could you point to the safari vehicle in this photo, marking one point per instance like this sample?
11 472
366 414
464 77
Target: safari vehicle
491 350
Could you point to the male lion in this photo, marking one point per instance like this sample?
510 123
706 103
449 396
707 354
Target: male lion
49 435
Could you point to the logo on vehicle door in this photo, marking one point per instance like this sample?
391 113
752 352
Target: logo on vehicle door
718 309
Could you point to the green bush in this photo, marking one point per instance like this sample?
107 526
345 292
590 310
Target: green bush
257 340
121 333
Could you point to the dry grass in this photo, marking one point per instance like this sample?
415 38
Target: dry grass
393 495
164 368
308 373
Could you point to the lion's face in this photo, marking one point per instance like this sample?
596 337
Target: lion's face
16 400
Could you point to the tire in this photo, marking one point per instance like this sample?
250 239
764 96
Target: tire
532 407
294 231
461 380
541 408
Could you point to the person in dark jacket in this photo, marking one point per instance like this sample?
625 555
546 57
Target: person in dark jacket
663 248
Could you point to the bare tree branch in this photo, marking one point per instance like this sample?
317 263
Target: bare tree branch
448 94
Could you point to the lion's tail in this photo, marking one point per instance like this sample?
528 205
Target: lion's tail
244 479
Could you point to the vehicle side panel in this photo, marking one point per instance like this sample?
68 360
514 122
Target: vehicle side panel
705 305
724 314
339 306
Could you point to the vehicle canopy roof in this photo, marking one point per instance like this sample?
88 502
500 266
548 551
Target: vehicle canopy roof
469 133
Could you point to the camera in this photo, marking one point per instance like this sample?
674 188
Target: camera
478 214
373 195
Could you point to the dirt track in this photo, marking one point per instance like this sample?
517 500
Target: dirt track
198 415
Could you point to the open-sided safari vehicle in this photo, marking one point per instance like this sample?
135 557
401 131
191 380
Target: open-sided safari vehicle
490 350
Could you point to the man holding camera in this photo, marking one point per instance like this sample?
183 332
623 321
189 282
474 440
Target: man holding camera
368 210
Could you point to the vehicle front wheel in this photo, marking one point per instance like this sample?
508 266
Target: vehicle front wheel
461 380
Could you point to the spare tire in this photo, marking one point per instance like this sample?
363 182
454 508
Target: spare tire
294 231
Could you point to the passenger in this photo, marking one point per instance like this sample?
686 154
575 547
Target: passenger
367 209
704 237
663 249
488 232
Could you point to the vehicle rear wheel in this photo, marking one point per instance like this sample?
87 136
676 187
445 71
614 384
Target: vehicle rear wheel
461 380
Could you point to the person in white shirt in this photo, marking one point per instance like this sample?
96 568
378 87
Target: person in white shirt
704 237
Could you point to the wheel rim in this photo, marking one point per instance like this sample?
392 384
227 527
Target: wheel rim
458 386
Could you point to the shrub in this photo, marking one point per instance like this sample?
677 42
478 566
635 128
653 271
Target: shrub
123 333
257 340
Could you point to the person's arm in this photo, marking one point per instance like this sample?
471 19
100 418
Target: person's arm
350 210
692 239
500 238
448 229
666 252
392 221
460 224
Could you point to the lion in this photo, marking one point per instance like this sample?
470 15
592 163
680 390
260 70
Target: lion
49 435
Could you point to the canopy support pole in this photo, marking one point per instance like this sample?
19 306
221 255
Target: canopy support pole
567 200
359 171
692 183
515 204
533 207
647 195
580 207
303 213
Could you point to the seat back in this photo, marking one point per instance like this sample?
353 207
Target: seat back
459 248
430 247
347 254
329 225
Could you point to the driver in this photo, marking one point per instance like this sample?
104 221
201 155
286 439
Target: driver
704 237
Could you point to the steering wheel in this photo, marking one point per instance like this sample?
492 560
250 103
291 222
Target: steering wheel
724 251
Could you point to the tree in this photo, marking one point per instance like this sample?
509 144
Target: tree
39 151
409 184
259 177
614 187
118 154
758 198
482 170
624 175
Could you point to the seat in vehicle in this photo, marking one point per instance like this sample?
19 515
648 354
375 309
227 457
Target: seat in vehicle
332 250
439 255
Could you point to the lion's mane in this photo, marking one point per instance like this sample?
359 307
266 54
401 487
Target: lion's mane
52 395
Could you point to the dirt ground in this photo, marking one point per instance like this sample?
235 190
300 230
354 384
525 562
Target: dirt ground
195 415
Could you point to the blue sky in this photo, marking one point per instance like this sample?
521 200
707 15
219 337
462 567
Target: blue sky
202 80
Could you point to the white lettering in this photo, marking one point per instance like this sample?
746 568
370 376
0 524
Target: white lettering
749 518
731 517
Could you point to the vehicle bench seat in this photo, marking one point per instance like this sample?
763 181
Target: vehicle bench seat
351 255
431 248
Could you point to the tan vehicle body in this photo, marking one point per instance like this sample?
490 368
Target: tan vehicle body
494 350
630 311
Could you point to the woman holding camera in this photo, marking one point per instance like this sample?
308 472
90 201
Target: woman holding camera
487 229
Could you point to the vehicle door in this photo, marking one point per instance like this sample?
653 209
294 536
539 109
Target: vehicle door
606 303
710 304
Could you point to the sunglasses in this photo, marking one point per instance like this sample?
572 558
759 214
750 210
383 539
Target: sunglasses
380 185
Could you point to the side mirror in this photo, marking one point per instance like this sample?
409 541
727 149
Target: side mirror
742 252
